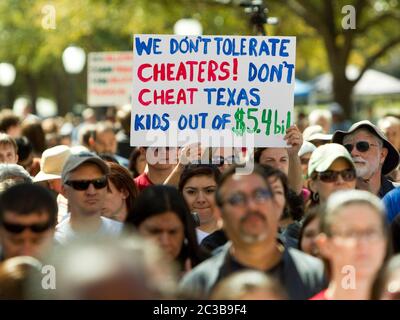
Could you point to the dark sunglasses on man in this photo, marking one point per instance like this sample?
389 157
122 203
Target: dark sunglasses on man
82 185
362 146
332 176
19 228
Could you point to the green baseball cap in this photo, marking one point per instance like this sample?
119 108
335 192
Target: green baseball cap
323 157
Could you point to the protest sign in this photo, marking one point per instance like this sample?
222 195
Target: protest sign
229 91
109 78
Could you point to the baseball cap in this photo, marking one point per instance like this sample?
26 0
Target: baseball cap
77 159
323 157
315 132
306 147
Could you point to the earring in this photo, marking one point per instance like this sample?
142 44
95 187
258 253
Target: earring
315 197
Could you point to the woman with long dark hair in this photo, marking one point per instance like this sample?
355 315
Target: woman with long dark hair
160 213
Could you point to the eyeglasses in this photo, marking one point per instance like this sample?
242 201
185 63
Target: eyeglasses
240 199
332 176
18 228
84 184
371 235
362 146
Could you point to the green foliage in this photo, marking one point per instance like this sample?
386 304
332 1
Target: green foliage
108 25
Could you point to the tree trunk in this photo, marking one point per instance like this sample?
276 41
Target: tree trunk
342 93
32 89
60 93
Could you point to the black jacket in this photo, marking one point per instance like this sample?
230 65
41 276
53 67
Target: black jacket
300 274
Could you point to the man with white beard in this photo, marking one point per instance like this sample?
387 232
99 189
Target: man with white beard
373 155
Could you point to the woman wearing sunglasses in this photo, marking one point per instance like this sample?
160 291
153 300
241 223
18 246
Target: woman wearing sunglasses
330 169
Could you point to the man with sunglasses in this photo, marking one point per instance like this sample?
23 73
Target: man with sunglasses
84 179
251 218
28 215
373 155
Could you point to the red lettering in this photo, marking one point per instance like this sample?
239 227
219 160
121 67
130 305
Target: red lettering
140 72
212 67
170 71
191 66
169 98
200 76
140 97
158 97
159 71
191 92
225 69
181 97
181 73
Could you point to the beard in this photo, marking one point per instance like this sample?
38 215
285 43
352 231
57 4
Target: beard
249 237
363 168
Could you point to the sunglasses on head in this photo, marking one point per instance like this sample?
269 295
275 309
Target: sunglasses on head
332 176
362 146
84 184
18 228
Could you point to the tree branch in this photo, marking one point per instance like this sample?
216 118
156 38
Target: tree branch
305 12
372 59
328 13
377 20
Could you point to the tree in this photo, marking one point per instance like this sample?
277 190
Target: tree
377 31
94 25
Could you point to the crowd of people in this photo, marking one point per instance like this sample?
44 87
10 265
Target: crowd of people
318 220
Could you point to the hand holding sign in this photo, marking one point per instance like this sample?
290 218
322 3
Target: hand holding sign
294 139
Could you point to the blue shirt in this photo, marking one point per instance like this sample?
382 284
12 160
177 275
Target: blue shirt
392 203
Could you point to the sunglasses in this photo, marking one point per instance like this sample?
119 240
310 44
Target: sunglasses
332 176
18 228
84 184
362 146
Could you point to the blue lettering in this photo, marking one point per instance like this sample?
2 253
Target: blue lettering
276 71
173 46
225 119
243 96
231 98
203 117
217 122
209 91
274 42
218 41
142 45
243 47
165 118
252 71
182 122
220 97
264 48
290 67
206 42
254 93
282 49
252 47
138 122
